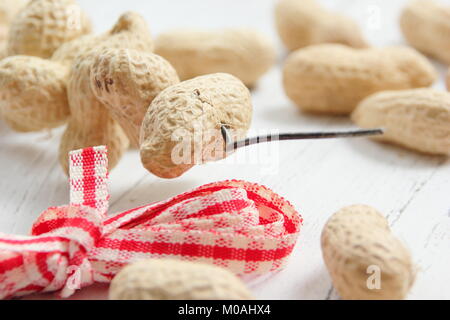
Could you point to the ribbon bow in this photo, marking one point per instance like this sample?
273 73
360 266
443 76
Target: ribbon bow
237 225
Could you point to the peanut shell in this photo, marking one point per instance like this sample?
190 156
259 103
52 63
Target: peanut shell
426 26
8 10
357 246
332 78
130 31
244 53
90 123
418 119
301 23
176 280
127 81
33 93
44 25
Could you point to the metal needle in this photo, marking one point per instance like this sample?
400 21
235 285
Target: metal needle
230 145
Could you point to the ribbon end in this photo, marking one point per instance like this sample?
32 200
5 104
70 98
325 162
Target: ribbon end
89 178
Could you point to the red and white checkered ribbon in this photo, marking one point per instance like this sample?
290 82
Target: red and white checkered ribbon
237 225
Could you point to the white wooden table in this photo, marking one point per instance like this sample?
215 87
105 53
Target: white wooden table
318 177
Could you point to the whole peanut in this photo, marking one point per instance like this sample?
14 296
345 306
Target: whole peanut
418 119
44 25
301 23
332 78
33 93
365 260
244 53
182 125
426 26
8 10
176 280
91 123
126 82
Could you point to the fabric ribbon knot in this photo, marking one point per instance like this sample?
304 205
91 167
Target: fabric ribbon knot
238 225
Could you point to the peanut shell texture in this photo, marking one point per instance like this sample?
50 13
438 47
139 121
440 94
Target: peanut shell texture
176 280
357 243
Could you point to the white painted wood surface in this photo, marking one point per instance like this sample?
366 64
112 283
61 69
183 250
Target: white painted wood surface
318 177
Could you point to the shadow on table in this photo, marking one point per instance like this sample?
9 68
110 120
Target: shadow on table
393 155
290 115
148 190
377 151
